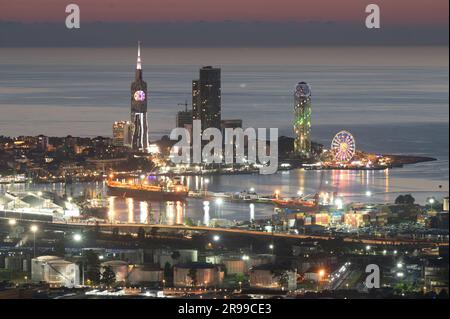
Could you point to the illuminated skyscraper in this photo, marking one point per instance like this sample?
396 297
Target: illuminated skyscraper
302 123
195 100
139 108
206 97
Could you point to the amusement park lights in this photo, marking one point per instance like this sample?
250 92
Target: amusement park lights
343 146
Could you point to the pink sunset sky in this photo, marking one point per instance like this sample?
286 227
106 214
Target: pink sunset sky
395 12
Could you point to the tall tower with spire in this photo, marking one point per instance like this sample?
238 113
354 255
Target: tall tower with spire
139 108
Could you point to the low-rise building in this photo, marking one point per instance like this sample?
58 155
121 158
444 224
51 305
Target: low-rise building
140 274
197 275
270 276
55 271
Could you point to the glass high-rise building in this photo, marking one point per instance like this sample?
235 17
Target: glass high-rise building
139 108
302 122
206 97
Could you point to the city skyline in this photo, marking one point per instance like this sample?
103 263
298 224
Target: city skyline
184 151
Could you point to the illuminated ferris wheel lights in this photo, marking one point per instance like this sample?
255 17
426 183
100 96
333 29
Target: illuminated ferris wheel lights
343 146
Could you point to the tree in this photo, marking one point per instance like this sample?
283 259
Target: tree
239 277
409 200
168 272
192 274
108 276
282 277
189 222
405 200
92 267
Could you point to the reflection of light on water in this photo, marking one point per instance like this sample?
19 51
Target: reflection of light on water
301 189
206 217
252 211
111 211
197 182
170 213
130 205
180 213
143 207
386 180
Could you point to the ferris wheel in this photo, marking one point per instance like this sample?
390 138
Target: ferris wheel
343 146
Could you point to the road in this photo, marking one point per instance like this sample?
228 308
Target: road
392 242
133 227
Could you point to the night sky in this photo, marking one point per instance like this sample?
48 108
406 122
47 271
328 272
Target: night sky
194 23
405 12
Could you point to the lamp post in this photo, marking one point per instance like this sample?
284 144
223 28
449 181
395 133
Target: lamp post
431 201
34 230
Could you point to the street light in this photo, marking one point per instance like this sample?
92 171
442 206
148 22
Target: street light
34 229
368 193
216 238
321 273
77 237
12 222
431 201
271 246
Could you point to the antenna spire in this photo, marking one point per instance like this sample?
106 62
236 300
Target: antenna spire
139 64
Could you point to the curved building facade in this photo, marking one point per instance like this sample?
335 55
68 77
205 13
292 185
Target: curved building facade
302 122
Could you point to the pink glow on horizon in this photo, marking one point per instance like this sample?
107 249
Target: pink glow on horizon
403 12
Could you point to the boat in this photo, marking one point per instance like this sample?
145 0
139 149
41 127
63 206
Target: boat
297 204
175 192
